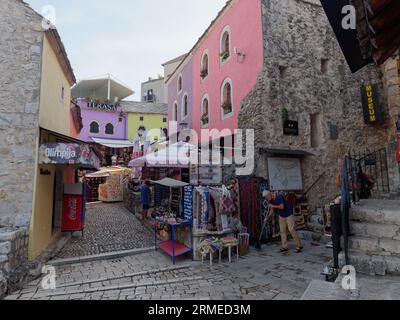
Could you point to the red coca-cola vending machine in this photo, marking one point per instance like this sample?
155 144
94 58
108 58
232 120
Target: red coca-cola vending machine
74 208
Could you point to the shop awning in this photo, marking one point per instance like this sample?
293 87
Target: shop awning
168 182
81 155
174 156
108 171
116 144
285 152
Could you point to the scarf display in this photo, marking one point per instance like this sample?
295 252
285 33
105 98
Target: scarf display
214 208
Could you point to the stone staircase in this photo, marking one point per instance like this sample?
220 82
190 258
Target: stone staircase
375 242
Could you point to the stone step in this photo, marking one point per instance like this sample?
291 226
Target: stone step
378 230
377 211
375 245
372 264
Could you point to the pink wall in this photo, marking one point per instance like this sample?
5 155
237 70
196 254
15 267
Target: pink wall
244 20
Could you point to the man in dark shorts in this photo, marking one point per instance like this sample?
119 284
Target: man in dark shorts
145 199
277 202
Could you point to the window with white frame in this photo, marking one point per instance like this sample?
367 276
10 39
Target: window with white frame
227 98
204 65
94 127
225 46
109 129
185 106
205 110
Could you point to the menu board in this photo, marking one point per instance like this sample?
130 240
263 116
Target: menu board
188 203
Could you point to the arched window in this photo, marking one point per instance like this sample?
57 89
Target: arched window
109 128
94 127
180 83
204 65
227 98
205 110
225 51
185 106
175 112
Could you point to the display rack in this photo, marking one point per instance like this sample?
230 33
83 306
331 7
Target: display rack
173 247
94 184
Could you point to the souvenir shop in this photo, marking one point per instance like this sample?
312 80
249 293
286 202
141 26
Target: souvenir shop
284 176
106 185
216 219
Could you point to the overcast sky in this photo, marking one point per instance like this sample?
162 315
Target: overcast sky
128 38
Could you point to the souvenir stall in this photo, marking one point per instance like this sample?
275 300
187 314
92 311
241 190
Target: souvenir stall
216 219
167 163
112 188
66 160
170 223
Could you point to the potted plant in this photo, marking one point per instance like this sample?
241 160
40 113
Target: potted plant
224 55
203 73
204 119
227 107
285 115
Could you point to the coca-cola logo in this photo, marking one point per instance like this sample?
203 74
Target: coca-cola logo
73 207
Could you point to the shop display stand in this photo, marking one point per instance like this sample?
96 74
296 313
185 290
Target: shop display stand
94 188
172 247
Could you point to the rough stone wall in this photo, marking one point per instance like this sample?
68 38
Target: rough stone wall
21 39
20 68
297 35
391 78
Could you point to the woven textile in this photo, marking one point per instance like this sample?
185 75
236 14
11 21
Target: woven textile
250 205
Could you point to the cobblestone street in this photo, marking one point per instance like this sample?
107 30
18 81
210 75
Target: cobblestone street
109 228
262 275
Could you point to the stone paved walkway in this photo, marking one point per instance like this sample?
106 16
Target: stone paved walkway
261 275
109 228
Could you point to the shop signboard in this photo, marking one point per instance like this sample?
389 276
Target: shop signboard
210 174
68 153
188 203
285 174
291 128
373 113
101 106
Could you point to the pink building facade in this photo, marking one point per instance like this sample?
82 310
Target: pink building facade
225 65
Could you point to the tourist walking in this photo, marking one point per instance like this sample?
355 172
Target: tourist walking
145 199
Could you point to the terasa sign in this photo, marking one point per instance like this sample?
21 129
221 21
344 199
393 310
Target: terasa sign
373 113
101 106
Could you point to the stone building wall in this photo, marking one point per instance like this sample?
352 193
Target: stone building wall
21 39
297 40
391 79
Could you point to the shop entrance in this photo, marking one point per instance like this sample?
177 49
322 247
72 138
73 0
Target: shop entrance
57 200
